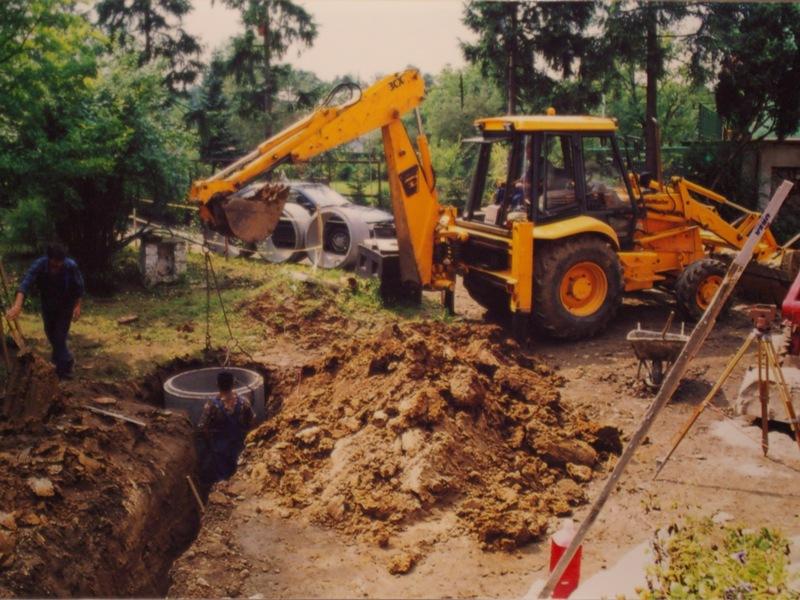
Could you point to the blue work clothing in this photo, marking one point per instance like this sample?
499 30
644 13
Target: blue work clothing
59 293
226 432
56 327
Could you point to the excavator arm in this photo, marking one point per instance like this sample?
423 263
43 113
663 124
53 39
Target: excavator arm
381 106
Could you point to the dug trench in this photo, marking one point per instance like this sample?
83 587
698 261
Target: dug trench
373 438
92 505
452 430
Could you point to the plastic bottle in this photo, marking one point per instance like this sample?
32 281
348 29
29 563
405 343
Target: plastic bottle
572 574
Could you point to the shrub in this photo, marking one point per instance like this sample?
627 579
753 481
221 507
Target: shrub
27 225
700 559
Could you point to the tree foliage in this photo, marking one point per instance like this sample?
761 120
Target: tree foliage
540 54
154 29
751 54
455 98
211 113
635 31
84 133
271 28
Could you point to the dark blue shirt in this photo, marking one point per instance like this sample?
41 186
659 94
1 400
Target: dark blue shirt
58 290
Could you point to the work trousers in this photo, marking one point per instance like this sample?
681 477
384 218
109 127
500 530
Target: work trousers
56 326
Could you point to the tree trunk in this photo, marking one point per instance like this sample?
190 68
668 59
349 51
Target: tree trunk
511 66
147 35
267 74
653 70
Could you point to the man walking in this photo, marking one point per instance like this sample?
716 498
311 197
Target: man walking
223 425
60 285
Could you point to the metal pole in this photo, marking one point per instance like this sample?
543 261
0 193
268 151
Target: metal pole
783 390
673 378
763 392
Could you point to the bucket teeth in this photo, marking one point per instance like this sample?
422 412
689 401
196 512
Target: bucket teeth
252 217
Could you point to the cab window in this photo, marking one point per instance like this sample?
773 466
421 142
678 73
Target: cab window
605 185
490 180
558 176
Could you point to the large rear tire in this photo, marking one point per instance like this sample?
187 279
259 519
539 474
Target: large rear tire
696 286
577 287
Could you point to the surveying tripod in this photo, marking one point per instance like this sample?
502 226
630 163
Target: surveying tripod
762 317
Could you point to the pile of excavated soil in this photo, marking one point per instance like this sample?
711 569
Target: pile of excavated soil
382 433
308 313
91 505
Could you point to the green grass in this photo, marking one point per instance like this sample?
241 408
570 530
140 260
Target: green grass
105 349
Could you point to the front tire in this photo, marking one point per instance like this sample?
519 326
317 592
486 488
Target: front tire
577 287
696 286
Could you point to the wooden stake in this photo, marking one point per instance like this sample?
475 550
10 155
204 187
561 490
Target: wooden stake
6 358
196 495
672 380
13 326
115 415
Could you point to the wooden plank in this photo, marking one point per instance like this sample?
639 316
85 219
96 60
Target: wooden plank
196 495
115 415
672 380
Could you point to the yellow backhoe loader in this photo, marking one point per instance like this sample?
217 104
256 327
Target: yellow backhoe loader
554 230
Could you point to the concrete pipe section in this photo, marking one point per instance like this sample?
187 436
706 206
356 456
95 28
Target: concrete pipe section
189 391
287 242
341 234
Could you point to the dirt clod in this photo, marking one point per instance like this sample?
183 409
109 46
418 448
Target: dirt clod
42 487
401 563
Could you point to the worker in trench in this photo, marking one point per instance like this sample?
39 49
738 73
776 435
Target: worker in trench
61 288
225 421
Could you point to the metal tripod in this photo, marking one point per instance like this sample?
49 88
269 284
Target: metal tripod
762 317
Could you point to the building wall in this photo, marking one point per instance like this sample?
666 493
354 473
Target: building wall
778 160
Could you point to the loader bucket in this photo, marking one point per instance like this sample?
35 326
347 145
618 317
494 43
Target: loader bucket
768 282
748 403
251 214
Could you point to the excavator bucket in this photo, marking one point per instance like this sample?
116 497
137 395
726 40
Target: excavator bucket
251 214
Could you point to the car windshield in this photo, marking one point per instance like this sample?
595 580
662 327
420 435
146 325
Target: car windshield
323 196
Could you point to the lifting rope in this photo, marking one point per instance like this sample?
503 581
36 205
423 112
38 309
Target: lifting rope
233 342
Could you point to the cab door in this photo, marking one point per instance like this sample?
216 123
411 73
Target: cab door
606 191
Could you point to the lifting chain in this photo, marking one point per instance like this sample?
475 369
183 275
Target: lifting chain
233 343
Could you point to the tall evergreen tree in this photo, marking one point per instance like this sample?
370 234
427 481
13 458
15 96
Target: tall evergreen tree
210 113
272 26
155 28
541 54
635 32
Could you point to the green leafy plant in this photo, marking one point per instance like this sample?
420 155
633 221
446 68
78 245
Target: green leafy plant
27 224
701 559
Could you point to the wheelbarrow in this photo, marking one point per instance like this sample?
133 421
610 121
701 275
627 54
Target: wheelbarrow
656 351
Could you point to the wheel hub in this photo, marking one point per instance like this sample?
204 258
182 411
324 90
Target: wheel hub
584 289
581 288
707 289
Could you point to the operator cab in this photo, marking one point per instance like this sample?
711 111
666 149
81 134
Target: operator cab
550 168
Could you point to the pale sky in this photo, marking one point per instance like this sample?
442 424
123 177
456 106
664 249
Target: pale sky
358 37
